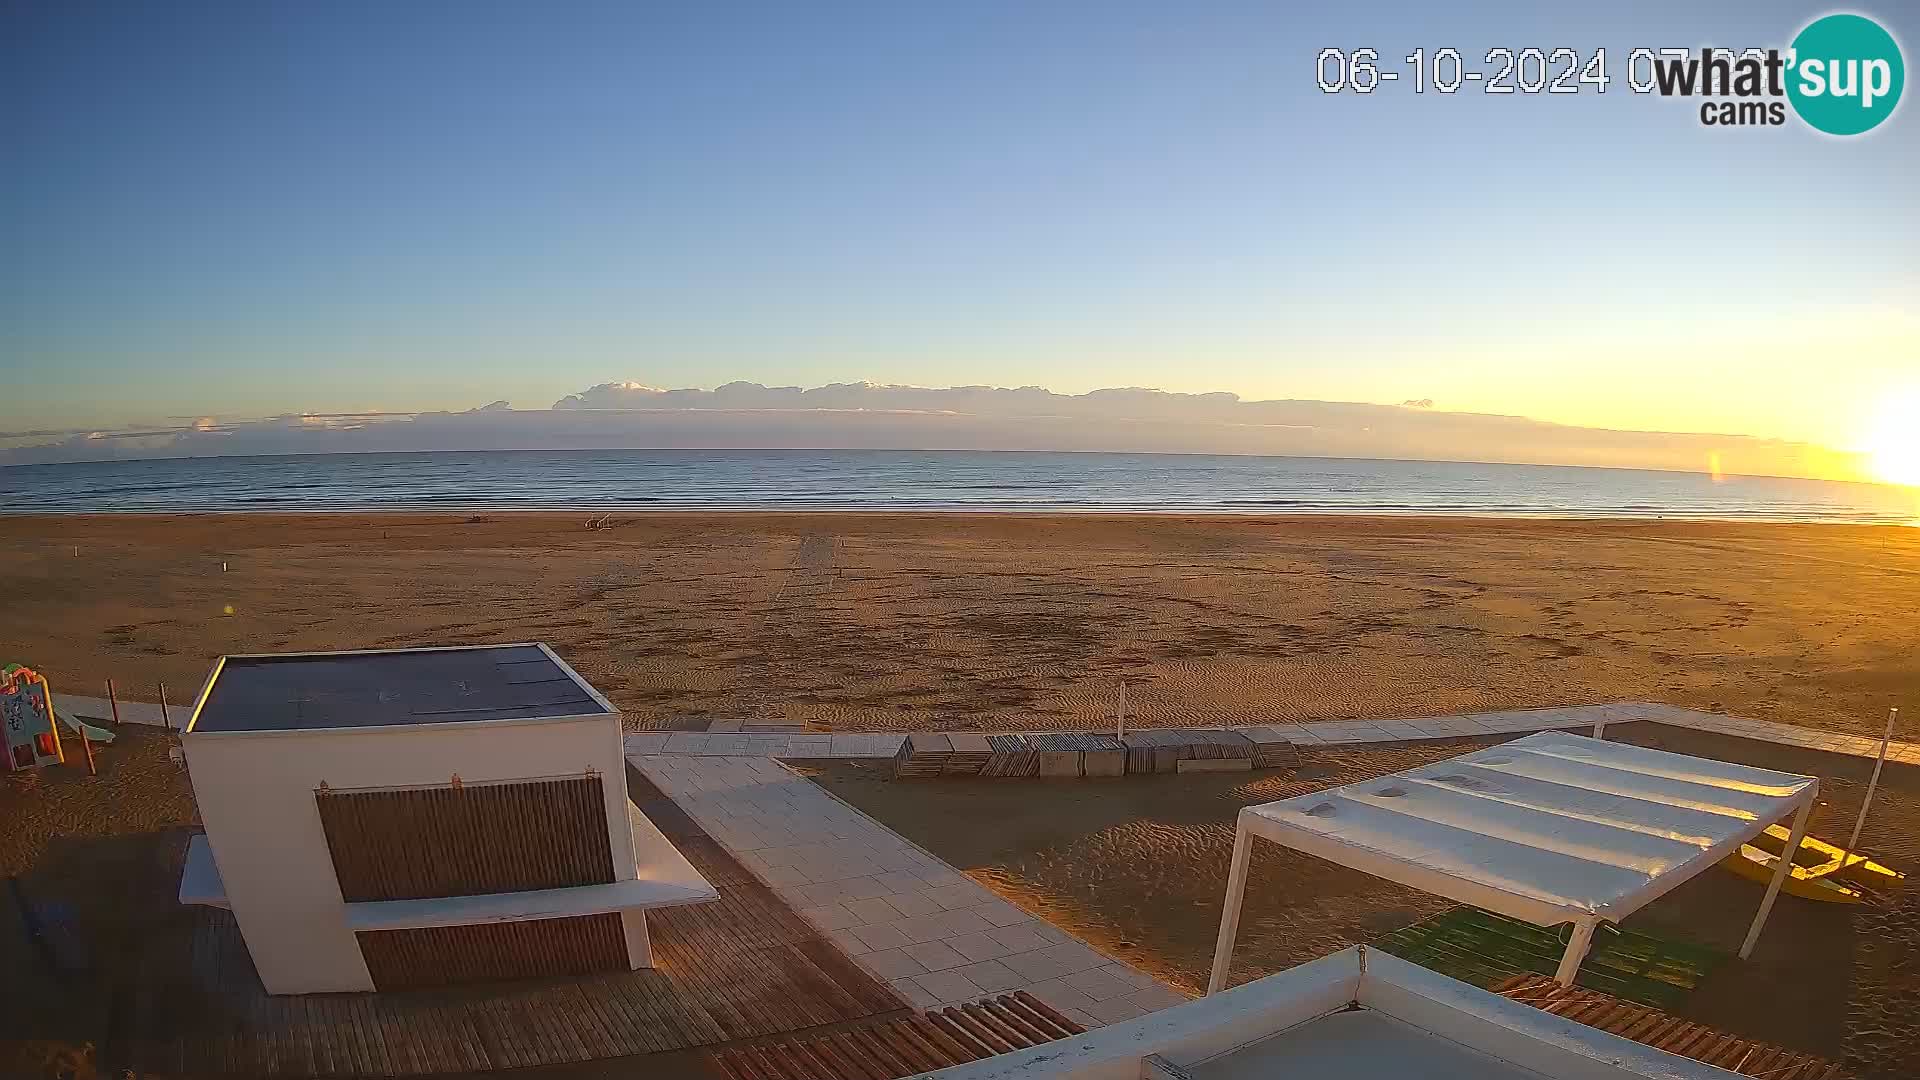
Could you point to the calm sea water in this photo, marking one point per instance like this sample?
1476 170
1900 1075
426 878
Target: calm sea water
912 480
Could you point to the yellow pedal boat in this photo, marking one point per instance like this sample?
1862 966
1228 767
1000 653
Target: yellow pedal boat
1821 871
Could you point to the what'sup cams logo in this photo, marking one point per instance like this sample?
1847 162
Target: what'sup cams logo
1842 75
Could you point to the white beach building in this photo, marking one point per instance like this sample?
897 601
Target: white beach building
418 817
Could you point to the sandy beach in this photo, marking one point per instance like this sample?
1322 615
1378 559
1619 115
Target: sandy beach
879 621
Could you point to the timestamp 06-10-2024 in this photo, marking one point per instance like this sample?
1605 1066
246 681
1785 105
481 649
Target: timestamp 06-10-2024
1445 71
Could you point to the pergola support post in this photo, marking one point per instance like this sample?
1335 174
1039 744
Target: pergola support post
1577 947
1230 914
1780 871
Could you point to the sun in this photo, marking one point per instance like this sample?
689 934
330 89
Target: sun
1892 440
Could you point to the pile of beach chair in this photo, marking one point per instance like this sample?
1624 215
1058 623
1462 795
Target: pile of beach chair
963 753
1081 753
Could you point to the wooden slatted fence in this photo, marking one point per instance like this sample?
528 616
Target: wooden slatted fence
450 955
416 843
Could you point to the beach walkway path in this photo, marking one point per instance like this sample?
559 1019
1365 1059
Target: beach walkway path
934 934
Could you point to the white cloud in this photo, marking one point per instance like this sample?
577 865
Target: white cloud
742 415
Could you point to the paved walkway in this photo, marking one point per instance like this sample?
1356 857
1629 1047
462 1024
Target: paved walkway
131 712
1785 734
903 914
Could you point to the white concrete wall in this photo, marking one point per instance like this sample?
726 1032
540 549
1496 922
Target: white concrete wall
256 796
1209 1026
1184 1033
1526 1036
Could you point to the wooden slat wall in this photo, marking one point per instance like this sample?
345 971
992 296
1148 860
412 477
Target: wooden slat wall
451 955
415 843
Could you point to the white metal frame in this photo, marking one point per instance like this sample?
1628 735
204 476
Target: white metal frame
1248 826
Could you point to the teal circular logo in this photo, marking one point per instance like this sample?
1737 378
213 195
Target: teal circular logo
1846 74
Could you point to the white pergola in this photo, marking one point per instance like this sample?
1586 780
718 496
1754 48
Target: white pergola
1549 829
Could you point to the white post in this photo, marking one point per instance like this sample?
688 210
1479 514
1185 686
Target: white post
1780 871
1853 842
633 923
1600 725
1577 947
1120 721
1230 913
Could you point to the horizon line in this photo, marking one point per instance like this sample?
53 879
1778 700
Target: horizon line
951 450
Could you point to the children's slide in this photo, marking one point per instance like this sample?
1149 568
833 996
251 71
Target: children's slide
95 735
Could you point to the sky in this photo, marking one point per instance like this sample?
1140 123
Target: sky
244 210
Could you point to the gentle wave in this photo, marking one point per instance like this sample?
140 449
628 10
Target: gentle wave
646 480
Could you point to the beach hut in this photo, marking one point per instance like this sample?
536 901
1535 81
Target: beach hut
1550 829
418 817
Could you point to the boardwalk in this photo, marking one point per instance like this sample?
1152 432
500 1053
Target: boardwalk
742 967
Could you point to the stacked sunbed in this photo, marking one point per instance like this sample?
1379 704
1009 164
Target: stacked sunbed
1011 756
1081 753
1163 750
922 756
971 752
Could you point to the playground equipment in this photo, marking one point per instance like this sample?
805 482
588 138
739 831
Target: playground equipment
95 735
26 713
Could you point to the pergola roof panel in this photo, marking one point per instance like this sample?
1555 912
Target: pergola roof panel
1548 828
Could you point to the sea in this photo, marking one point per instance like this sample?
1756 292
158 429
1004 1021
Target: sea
635 480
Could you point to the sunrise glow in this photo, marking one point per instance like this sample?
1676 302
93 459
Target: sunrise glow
1892 442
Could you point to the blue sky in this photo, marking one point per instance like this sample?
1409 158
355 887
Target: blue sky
261 208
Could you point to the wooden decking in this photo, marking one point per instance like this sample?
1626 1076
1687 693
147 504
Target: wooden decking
741 967
1667 1032
923 1042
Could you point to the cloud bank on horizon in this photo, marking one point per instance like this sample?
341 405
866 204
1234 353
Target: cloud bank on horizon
868 416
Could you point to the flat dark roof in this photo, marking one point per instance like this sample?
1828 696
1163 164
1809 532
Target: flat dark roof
306 691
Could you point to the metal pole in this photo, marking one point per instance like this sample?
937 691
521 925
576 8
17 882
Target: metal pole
113 703
1853 842
1780 871
1230 913
1577 948
165 720
1120 723
86 744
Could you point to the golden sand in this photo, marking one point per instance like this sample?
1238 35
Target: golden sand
872 621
